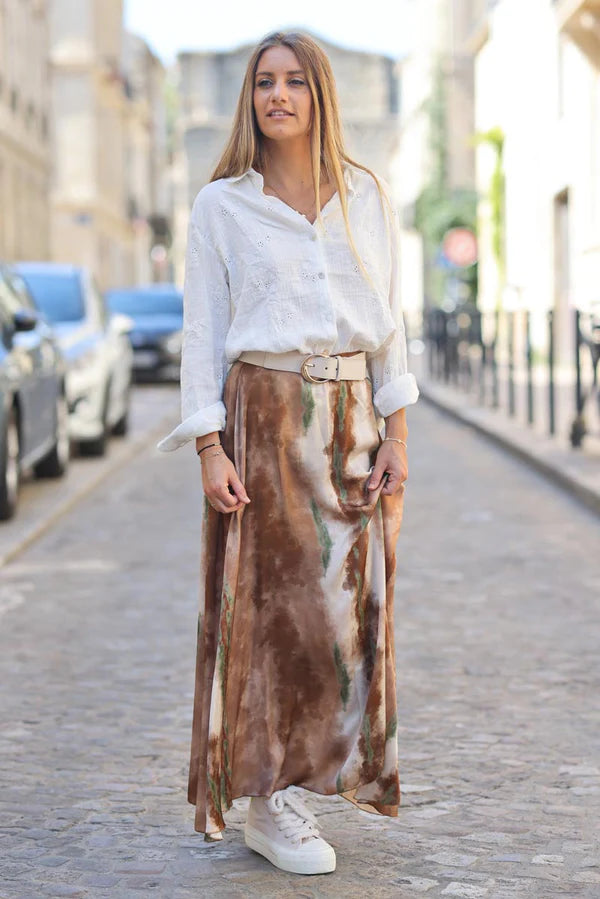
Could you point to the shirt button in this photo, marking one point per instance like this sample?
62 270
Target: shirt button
313 237
321 275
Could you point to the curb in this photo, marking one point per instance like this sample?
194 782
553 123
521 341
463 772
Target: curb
577 487
113 463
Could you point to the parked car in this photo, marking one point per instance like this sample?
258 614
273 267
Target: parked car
96 348
157 313
33 409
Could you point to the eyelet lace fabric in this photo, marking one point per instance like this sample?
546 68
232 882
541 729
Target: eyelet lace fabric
261 277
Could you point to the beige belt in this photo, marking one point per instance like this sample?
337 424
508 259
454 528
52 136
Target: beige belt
314 367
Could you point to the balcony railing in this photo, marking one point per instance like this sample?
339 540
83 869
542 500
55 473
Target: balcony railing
491 356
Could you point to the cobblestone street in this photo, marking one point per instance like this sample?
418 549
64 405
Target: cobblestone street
498 639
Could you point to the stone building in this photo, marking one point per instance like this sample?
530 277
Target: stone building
547 104
146 160
209 84
24 130
109 203
91 224
436 126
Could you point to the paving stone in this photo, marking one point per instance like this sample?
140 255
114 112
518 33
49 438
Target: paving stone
52 861
417 884
139 867
497 734
468 891
59 889
452 858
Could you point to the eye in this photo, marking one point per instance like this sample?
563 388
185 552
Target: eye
263 82
298 81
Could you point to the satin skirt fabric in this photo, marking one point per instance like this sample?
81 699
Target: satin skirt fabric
295 676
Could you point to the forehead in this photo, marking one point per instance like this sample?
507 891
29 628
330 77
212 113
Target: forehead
278 59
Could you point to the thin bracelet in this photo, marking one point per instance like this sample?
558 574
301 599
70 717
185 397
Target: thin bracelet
397 440
210 455
202 448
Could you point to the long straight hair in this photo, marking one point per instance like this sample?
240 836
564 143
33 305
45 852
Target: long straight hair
245 147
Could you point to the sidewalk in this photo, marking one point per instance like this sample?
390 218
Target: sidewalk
577 471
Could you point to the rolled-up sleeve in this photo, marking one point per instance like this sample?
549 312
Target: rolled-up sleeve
394 387
206 321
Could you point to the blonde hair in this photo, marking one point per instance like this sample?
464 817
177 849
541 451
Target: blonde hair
245 148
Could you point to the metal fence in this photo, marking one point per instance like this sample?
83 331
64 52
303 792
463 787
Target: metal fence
509 360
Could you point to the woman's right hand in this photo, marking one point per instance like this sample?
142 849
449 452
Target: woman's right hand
218 475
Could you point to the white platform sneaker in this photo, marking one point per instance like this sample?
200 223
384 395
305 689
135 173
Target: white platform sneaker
283 830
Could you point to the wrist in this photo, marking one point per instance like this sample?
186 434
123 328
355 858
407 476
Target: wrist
397 440
206 439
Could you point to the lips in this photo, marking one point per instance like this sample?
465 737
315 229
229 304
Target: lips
279 114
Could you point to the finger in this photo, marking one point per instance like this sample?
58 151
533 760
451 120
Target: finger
392 487
239 489
375 479
235 508
219 506
228 499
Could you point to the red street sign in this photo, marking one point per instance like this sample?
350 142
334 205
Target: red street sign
460 247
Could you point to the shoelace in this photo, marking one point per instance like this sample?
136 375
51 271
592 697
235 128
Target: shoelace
293 818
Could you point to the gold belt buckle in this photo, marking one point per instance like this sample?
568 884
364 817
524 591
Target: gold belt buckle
306 365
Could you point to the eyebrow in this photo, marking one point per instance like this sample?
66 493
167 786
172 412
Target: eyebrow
291 72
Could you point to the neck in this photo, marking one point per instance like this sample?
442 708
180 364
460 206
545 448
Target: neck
288 165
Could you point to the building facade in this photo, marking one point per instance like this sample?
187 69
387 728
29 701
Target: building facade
436 152
90 220
546 104
146 161
209 85
109 199
25 156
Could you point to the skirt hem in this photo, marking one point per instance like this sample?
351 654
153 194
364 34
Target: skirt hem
373 808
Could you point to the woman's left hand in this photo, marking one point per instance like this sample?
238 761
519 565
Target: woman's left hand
391 459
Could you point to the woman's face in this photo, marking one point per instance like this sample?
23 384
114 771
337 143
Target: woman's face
282 100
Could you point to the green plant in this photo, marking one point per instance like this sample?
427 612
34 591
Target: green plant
495 139
439 207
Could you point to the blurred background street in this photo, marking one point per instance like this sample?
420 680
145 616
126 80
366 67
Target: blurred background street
483 116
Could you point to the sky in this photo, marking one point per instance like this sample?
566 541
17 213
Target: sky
381 26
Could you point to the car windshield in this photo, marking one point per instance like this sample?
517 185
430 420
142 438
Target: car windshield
57 295
145 302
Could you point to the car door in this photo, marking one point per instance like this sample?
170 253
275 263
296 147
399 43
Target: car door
25 352
9 373
47 359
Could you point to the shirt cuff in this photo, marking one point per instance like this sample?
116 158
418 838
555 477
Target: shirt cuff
203 422
396 394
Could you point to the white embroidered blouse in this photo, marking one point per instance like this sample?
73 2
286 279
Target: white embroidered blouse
259 276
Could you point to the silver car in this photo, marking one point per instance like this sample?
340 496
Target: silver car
33 411
96 348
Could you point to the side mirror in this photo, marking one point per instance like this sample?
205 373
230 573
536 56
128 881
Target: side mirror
120 324
25 320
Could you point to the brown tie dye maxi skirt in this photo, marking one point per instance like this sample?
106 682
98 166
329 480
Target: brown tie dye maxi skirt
295 679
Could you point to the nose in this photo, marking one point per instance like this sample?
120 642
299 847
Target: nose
280 90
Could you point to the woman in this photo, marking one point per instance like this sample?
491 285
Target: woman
294 348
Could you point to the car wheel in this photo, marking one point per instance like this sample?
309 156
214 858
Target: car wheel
122 426
10 472
95 447
56 462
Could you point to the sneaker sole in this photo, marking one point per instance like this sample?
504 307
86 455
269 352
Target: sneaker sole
319 863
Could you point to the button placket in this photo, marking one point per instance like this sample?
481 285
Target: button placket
327 310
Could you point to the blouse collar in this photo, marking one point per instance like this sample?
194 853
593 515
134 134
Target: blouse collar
257 179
